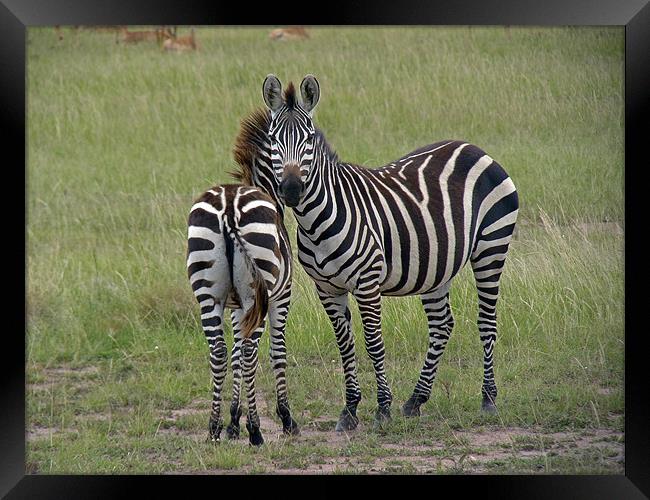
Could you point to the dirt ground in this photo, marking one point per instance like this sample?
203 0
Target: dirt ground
465 451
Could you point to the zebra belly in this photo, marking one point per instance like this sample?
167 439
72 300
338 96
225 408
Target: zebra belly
431 271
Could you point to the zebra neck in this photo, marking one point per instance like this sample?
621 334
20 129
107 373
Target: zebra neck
263 179
319 203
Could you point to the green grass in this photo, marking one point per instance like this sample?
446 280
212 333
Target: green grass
122 139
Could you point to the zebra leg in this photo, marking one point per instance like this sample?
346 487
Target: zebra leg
232 431
369 302
249 351
212 322
337 309
278 322
440 322
487 273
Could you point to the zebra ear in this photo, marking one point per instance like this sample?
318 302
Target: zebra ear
271 90
310 92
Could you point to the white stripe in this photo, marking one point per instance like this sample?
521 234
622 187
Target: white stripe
488 295
488 260
446 212
259 227
256 204
203 274
426 152
200 256
267 275
485 244
204 290
511 218
487 284
498 193
486 274
207 302
477 169
262 253
205 206
203 233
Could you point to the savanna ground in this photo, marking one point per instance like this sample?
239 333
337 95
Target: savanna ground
122 139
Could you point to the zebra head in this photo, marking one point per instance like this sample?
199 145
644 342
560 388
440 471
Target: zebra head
291 134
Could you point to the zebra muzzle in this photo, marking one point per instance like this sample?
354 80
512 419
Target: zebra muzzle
291 190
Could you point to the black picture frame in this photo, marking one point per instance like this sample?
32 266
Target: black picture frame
17 15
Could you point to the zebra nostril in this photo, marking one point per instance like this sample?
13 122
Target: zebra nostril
291 190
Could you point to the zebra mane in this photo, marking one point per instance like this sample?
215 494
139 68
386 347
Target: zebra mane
322 144
253 133
290 96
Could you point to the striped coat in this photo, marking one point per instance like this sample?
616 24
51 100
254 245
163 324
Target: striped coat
405 228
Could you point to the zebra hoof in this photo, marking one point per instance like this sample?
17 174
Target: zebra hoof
256 439
254 435
289 425
347 421
411 409
291 429
488 407
232 431
382 417
214 430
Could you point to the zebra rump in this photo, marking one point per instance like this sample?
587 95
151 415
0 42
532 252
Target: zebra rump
233 251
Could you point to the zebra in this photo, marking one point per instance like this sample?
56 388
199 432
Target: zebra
406 228
239 257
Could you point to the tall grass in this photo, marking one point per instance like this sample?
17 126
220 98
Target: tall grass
121 139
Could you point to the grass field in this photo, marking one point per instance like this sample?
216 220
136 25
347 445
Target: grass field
122 139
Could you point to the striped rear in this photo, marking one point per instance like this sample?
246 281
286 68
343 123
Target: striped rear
234 249
238 256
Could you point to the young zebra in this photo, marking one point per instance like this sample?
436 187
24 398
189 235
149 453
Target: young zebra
239 257
403 229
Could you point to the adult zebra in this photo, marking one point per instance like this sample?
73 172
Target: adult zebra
403 229
239 256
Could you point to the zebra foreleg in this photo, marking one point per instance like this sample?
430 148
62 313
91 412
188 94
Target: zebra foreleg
278 322
369 301
440 323
249 364
211 320
232 431
337 309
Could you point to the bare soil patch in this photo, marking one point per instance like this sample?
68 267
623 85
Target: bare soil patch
466 451
36 432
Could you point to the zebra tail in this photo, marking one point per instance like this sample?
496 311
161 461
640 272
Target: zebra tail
254 317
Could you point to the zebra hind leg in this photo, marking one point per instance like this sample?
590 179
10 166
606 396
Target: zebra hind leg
233 429
440 323
487 263
278 322
211 320
249 361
